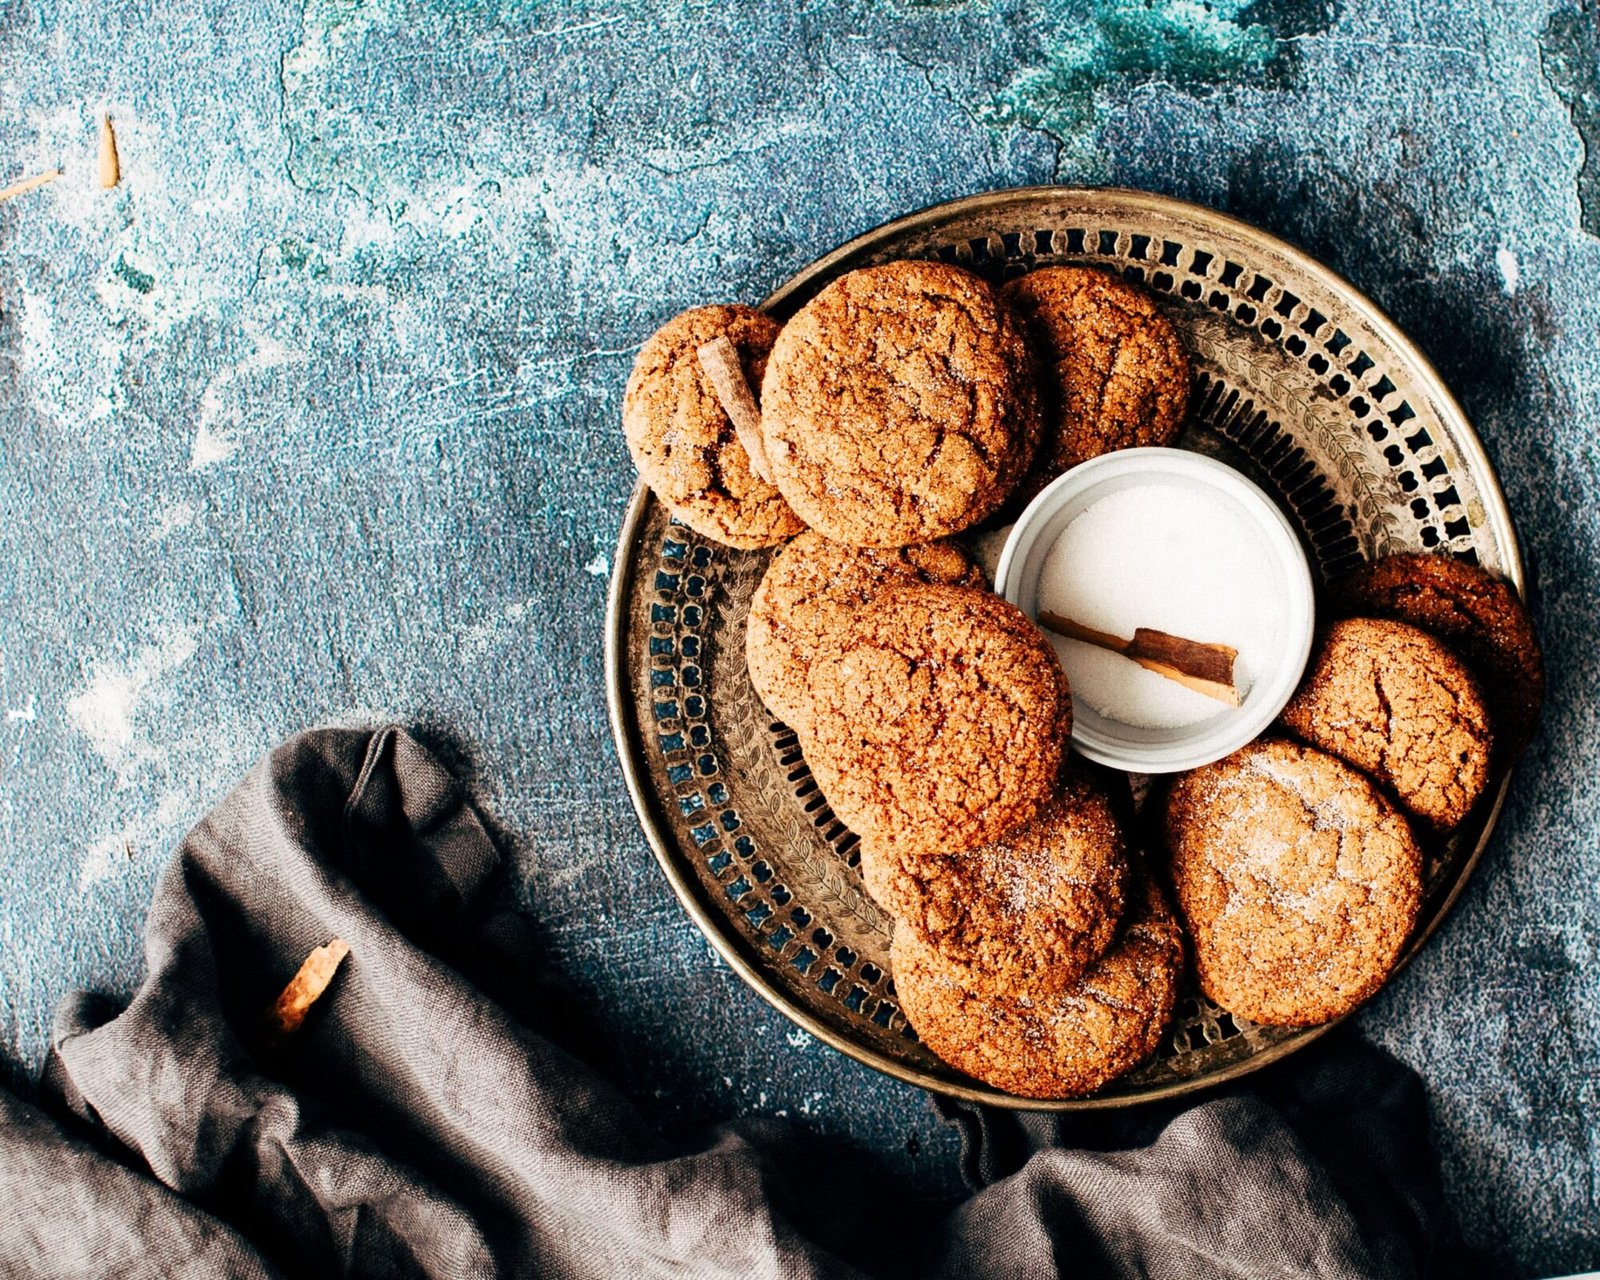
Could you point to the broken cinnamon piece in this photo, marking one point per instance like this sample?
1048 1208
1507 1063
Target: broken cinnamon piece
28 184
110 168
289 1010
1212 662
1205 668
720 360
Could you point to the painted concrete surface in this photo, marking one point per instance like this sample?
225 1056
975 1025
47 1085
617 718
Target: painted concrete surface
314 418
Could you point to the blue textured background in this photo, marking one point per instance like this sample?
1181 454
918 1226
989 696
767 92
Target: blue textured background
314 418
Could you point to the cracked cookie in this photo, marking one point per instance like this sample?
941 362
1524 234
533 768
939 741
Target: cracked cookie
813 587
1027 913
939 722
899 405
1395 702
682 440
1298 881
1115 372
1477 614
1061 1045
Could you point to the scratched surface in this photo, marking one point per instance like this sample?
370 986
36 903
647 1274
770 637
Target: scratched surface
313 419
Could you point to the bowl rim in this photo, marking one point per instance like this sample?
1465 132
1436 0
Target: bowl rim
1212 739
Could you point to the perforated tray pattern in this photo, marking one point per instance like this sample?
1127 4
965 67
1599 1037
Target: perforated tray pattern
1299 381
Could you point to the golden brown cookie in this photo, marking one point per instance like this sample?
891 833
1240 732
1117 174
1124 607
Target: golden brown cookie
1477 614
1298 880
1051 1046
812 588
1392 700
899 405
940 722
1115 372
683 442
1027 913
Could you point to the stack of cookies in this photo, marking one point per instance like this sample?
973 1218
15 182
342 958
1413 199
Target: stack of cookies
904 405
1030 949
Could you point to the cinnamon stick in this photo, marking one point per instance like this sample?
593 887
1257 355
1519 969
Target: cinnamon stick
286 1014
28 184
1195 664
109 166
720 360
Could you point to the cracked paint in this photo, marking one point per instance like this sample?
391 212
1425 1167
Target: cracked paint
1126 43
1569 52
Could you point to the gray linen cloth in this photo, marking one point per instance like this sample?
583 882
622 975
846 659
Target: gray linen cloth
424 1122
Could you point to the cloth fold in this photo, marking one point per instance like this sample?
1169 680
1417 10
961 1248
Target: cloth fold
425 1122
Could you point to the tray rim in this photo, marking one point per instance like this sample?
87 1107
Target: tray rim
625 730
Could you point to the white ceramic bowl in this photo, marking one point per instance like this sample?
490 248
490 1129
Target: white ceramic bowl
1168 750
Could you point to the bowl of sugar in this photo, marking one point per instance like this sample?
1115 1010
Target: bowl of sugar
1178 598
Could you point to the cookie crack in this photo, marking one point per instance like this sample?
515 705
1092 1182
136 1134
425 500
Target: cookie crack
1386 738
1110 366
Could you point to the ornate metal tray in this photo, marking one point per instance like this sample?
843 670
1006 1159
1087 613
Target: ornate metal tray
1300 381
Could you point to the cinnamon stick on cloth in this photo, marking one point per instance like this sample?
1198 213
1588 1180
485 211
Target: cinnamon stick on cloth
424 1121
287 1014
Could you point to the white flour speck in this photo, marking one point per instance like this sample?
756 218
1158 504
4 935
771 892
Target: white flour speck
141 836
1509 269
105 710
180 515
220 413
210 447
481 637
599 566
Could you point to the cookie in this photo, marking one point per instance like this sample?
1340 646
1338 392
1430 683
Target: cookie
1477 614
899 405
940 721
1298 880
1062 1045
1027 913
1392 700
1115 372
812 588
683 442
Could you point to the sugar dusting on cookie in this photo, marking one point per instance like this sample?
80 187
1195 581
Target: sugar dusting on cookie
1298 880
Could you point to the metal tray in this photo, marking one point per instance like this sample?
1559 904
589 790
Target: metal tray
1300 381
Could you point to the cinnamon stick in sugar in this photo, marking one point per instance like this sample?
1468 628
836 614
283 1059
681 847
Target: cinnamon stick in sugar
1195 664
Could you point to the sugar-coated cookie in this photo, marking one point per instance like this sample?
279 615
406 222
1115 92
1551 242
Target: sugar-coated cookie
1297 879
1061 1045
682 440
813 588
1397 703
940 722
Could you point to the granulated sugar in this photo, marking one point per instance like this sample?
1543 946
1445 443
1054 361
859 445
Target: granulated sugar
1174 558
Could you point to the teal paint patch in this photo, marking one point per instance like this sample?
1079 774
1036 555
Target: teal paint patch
138 281
332 142
1124 43
360 105
297 255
